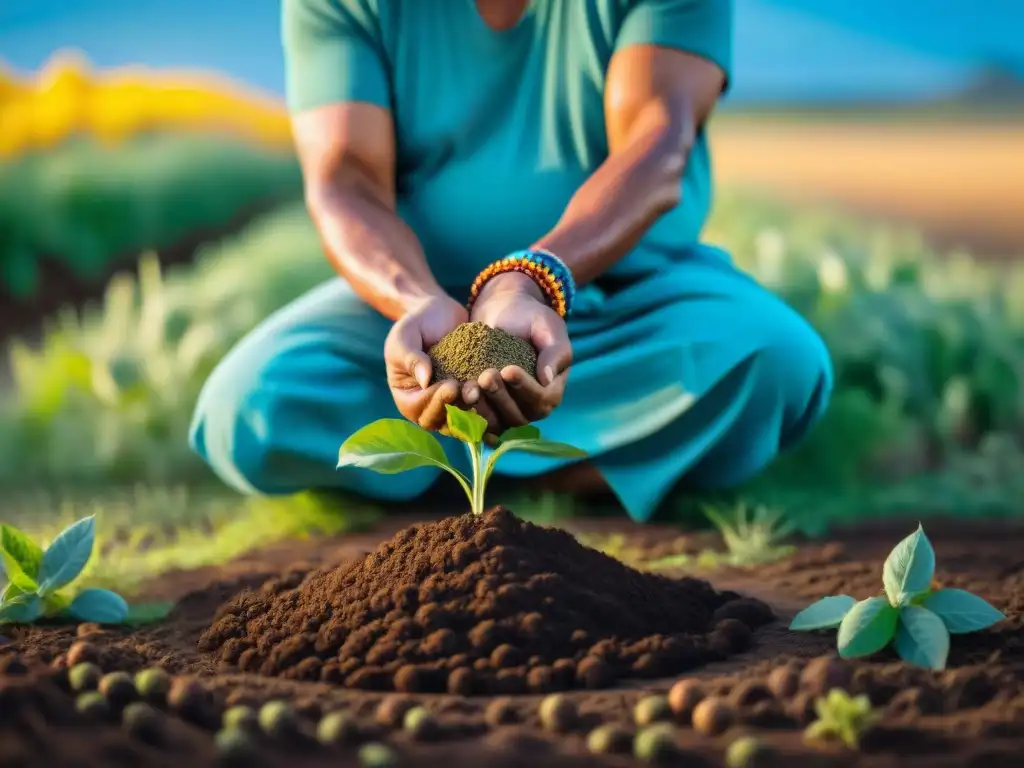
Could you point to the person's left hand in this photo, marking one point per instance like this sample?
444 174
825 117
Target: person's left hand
514 303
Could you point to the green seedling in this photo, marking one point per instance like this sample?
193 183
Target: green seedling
916 618
391 446
841 718
36 579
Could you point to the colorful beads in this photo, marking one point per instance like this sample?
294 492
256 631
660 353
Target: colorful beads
550 273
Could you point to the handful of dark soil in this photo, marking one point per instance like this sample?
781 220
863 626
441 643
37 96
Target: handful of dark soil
472 348
476 604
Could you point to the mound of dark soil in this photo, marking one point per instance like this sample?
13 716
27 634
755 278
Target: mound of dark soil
486 604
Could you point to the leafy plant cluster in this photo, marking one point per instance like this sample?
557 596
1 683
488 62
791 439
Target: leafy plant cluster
915 617
841 718
84 203
391 446
37 578
927 353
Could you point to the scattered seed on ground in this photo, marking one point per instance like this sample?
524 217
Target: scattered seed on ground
241 718
558 713
81 651
376 755
119 689
391 711
651 709
712 716
420 724
337 728
142 721
278 718
93 704
235 744
748 752
609 738
683 696
153 685
84 676
499 712
655 744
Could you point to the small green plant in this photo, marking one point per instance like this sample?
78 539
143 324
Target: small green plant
36 578
915 617
841 717
391 446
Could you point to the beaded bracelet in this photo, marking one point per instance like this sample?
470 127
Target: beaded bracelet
550 273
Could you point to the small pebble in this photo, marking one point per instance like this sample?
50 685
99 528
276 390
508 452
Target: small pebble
712 716
278 718
93 704
84 676
241 718
609 739
594 673
375 755
650 710
118 688
153 685
337 728
683 697
191 701
824 673
557 713
420 724
656 744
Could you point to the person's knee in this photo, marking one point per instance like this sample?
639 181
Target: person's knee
230 427
797 366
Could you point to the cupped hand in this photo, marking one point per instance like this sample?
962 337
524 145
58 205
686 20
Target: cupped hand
514 303
410 371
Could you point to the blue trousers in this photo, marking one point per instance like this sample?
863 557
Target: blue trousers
695 373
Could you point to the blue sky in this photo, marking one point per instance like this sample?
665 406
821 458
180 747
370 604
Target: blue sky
785 49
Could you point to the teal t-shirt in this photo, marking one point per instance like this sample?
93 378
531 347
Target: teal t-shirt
496 130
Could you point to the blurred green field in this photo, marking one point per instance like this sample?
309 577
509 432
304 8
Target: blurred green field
927 417
84 203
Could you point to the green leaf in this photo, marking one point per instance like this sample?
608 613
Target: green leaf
525 432
867 628
21 610
909 569
55 603
540 447
827 613
141 614
15 575
922 639
99 605
467 426
26 552
390 446
65 558
961 611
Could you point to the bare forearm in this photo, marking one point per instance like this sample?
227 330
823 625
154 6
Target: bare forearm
373 249
618 204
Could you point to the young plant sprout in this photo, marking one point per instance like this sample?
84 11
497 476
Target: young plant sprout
36 578
390 446
915 617
841 718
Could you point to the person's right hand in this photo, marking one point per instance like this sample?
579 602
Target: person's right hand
408 365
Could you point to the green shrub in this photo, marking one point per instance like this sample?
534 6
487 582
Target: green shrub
84 204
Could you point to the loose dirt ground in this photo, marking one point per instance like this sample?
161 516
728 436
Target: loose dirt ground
970 715
962 182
